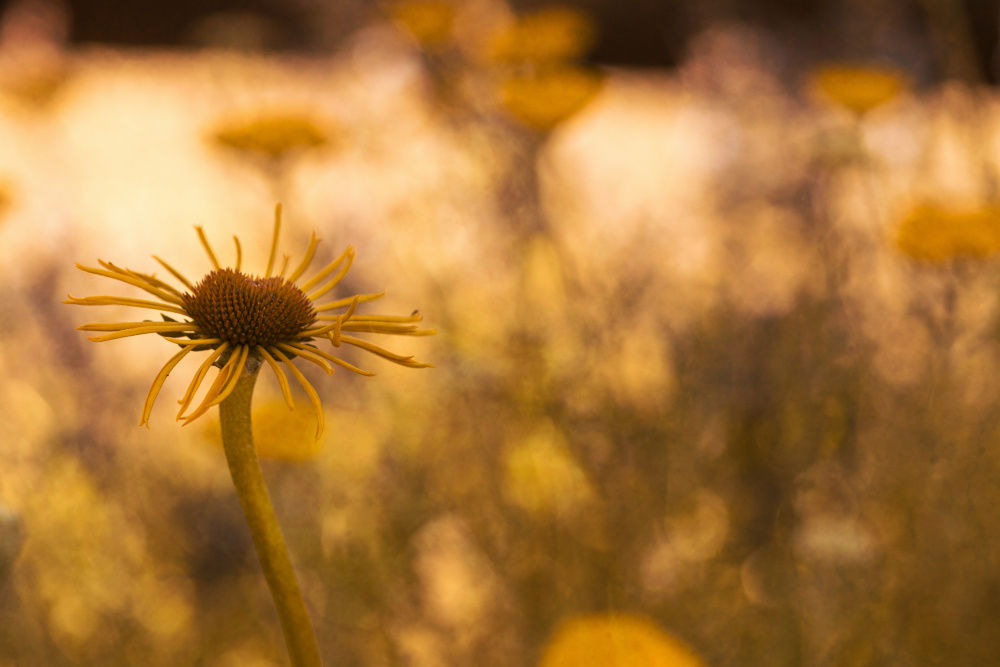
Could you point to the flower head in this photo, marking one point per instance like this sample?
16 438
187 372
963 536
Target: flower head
245 320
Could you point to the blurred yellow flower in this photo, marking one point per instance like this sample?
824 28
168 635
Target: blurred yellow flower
274 136
615 640
429 21
545 98
550 34
542 477
278 433
246 320
859 88
935 234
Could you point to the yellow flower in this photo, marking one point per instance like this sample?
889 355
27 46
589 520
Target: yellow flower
272 137
550 34
278 433
858 88
615 640
246 320
545 98
937 235
429 21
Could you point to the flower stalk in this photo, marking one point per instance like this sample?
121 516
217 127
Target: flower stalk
237 439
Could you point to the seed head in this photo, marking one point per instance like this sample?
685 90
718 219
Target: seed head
243 310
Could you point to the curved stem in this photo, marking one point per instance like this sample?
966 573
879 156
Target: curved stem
237 438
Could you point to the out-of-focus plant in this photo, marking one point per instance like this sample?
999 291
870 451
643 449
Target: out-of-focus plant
536 62
615 640
11 538
936 234
431 22
273 142
548 96
859 88
551 34
246 321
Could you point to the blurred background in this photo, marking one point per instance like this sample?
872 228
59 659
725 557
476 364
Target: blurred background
716 292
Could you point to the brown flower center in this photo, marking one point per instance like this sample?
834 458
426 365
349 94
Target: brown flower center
242 310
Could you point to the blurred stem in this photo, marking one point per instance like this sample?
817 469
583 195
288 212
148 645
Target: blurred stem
237 438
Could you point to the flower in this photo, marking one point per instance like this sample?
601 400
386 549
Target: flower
549 34
859 88
429 21
549 96
615 640
274 136
245 320
937 235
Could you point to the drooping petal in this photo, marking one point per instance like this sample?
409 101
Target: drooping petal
199 378
384 353
158 381
278 373
300 350
340 362
313 396
223 379
235 376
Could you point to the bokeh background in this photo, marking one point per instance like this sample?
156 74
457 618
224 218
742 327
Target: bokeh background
717 369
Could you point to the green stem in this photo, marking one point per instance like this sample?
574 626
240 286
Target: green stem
237 438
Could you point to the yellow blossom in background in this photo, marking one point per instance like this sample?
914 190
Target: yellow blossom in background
615 640
935 234
279 433
542 477
6 199
274 136
429 21
859 88
548 97
550 34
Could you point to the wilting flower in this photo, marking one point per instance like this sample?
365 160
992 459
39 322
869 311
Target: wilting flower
858 88
547 97
272 137
245 320
615 640
934 234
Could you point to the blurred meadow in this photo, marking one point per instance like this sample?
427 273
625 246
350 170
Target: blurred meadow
717 364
